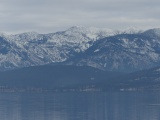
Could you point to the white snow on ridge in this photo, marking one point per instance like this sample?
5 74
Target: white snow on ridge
31 48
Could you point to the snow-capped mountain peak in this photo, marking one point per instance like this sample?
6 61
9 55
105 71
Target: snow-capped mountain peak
91 32
31 48
2 34
98 47
26 36
132 30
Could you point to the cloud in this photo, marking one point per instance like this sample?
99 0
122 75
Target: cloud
53 15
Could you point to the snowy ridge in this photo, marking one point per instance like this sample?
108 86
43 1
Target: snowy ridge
31 48
132 30
123 52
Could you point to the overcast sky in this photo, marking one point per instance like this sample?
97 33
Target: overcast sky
46 16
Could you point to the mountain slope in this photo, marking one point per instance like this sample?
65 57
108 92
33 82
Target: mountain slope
123 52
30 49
62 77
51 77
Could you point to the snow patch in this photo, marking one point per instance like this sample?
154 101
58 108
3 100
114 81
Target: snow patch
97 50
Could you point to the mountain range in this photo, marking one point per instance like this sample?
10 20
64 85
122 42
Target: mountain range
77 78
106 49
123 52
31 49
81 58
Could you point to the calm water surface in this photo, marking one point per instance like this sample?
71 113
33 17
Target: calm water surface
80 106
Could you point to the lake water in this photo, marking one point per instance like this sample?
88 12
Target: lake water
80 106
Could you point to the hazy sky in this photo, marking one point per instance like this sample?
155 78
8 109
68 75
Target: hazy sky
45 16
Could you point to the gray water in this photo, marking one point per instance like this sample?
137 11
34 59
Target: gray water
80 106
